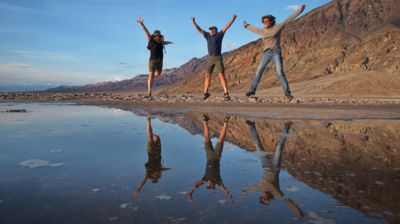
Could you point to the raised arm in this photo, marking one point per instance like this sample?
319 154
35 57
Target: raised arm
294 15
146 31
140 186
251 28
229 23
226 192
197 26
197 184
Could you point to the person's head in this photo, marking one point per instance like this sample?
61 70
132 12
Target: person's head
266 197
157 35
155 176
213 30
210 185
268 21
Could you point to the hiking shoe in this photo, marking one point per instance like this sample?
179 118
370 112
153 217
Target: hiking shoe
148 96
206 95
289 97
226 119
288 124
250 93
227 97
205 117
250 122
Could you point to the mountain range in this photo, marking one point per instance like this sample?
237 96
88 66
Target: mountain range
344 48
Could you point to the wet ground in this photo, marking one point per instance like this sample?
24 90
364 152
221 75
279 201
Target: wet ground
63 163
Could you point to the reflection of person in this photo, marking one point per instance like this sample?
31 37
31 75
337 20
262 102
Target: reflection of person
155 46
153 166
212 174
214 58
271 35
269 187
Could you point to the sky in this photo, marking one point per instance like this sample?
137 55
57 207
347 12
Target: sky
48 43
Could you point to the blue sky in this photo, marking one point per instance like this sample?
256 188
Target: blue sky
46 43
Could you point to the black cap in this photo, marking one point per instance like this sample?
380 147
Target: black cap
213 27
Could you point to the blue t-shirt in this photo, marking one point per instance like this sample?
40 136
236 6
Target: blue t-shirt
214 43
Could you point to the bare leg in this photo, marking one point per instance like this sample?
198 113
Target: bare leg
206 132
157 73
150 82
207 82
223 132
223 81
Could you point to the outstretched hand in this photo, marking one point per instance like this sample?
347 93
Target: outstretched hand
136 193
303 7
234 16
139 20
193 19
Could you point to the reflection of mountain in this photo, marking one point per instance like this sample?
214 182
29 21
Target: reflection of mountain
357 162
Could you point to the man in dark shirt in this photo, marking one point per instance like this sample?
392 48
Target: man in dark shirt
214 59
156 46
212 175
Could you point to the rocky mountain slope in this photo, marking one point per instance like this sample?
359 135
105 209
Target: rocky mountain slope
344 48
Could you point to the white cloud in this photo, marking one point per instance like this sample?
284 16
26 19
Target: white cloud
48 56
15 8
123 64
230 46
293 7
26 74
119 77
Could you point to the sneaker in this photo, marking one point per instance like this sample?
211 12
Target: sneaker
289 97
227 97
226 119
250 122
250 93
288 124
205 117
206 95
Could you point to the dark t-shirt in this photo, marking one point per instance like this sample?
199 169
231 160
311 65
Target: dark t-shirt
154 157
212 172
214 43
156 50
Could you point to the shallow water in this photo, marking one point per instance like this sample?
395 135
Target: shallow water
63 163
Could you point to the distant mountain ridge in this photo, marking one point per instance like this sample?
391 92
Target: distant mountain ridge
344 48
139 82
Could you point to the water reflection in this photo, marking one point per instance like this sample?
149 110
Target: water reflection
212 175
312 171
269 186
154 166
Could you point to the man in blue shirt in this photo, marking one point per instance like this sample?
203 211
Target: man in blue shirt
214 59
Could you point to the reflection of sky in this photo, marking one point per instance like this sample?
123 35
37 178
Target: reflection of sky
104 162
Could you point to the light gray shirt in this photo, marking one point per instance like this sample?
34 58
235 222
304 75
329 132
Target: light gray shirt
271 37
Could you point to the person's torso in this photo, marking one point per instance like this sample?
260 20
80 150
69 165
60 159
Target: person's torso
212 171
271 37
214 43
156 50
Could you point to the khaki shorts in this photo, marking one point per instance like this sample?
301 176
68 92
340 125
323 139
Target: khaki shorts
215 62
211 153
155 65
